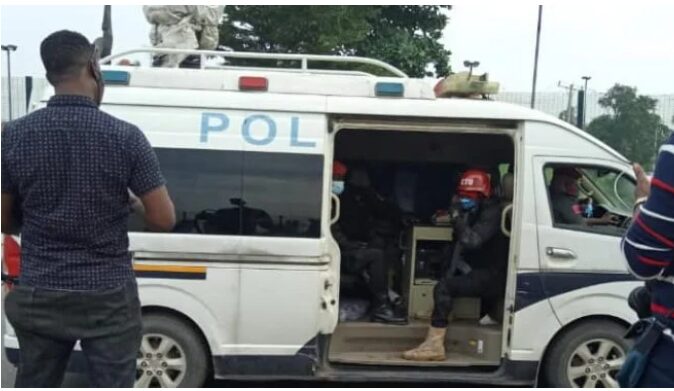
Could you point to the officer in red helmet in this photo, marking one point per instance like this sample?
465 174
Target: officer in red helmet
480 247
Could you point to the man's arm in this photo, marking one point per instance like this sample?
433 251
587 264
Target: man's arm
148 184
7 206
486 226
648 245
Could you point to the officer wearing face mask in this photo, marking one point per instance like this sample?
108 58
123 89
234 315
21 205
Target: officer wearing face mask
476 217
353 234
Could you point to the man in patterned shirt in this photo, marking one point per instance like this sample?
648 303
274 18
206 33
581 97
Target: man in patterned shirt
75 170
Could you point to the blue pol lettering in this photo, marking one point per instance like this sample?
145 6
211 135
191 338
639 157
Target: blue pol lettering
219 124
271 130
295 135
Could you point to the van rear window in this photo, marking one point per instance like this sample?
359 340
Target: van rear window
243 193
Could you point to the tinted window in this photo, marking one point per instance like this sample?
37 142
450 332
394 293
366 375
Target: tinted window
283 194
252 193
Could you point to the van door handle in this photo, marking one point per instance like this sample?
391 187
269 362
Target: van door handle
562 253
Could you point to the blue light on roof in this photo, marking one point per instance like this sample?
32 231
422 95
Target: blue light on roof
389 89
116 77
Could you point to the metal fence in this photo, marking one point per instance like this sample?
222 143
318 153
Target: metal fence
20 90
554 103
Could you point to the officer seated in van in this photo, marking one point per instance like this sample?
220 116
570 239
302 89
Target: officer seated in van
354 234
476 218
564 199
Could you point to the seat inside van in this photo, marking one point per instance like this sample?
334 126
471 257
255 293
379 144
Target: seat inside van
419 172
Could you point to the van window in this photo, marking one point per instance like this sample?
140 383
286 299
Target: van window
592 198
242 193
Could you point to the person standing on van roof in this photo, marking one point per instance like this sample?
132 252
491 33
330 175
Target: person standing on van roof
73 168
357 254
648 246
476 221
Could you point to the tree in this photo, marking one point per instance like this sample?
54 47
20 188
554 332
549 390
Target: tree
632 127
404 36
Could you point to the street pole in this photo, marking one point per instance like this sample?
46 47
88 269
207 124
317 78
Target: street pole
586 78
538 41
569 104
9 49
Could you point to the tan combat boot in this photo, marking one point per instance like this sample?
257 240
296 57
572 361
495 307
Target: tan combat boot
432 349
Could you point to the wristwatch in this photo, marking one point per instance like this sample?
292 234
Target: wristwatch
640 201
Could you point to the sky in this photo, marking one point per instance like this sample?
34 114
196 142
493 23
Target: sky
610 42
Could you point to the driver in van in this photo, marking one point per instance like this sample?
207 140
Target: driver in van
564 197
353 234
476 218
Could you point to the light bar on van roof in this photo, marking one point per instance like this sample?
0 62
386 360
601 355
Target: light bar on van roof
253 83
389 89
116 77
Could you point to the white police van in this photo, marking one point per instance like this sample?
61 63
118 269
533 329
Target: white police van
248 284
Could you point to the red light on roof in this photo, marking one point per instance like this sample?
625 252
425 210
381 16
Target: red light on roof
252 83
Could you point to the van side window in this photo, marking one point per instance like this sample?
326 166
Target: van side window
242 193
590 198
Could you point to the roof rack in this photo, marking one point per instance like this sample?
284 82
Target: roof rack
303 58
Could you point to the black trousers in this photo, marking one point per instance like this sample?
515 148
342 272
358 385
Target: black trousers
48 323
373 260
481 283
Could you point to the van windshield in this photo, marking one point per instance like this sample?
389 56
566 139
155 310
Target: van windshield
616 189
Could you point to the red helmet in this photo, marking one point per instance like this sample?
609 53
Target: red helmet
473 183
339 170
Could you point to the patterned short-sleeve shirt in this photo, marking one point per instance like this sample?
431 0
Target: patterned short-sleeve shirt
70 166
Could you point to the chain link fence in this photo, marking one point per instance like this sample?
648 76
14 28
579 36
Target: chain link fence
554 103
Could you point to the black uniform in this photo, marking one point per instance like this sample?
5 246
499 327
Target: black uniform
482 245
363 230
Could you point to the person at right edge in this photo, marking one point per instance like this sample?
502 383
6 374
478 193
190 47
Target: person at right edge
480 252
648 246
73 170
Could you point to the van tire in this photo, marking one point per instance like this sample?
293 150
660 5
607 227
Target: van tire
186 347
591 334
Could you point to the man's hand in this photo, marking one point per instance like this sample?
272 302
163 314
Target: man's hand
643 188
609 219
135 204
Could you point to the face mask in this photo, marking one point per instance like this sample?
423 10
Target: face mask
338 187
467 203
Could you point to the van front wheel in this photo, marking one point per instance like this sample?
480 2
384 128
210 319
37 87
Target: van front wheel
588 355
171 354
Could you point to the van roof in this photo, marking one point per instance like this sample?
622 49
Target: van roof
310 90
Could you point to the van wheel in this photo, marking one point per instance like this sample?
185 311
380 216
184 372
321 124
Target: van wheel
588 355
171 354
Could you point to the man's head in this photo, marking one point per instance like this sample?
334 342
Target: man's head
71 62
359 178
474 186
565 181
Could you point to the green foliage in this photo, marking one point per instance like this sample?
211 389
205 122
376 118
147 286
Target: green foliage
632 127
404 36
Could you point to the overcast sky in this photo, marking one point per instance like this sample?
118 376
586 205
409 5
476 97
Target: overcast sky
630 43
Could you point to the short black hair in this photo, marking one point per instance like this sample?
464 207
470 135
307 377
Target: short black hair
64 54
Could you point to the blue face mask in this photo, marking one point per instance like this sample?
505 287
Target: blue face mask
467 203
338 187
